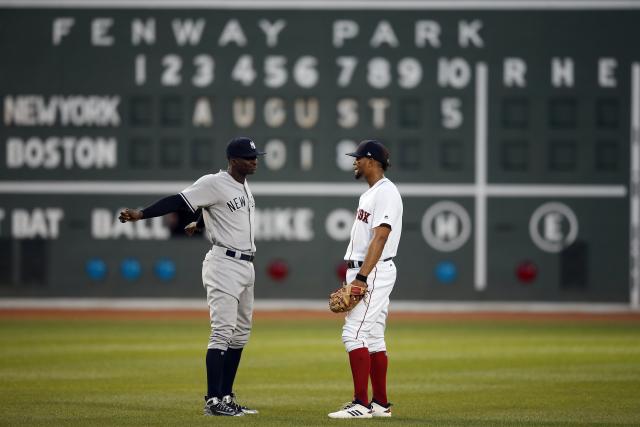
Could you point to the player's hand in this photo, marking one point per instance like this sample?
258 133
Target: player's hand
191 228
357 282
130 215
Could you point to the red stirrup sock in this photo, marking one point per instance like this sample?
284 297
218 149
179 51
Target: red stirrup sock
360 365
379 363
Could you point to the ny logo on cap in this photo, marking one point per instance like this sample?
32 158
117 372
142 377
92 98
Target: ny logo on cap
253 145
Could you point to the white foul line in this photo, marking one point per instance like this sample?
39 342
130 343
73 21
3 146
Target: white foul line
634 190
481 118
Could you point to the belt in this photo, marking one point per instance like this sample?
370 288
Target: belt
358 264
239 255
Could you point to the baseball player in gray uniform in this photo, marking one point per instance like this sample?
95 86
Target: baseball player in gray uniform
228 276
375 237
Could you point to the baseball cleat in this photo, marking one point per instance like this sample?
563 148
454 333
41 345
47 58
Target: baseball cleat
352 410
215 406
378 410
230 400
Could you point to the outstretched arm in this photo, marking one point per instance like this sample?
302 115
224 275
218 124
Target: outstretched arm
161 207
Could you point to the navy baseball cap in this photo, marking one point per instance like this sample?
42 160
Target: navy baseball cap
372 149
242 147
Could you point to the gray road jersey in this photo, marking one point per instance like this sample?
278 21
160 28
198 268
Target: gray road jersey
228 208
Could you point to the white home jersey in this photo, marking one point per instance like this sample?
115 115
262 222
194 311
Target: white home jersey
228 209
380 204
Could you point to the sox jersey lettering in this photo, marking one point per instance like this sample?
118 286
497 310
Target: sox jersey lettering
228 208
380 204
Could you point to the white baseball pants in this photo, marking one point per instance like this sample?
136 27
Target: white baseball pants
364 326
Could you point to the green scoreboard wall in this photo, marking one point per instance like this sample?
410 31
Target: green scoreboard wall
513 129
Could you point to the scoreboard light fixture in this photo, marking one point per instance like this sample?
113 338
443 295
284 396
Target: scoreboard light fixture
130 269
527 272
278 270
96 269
165 269
446 272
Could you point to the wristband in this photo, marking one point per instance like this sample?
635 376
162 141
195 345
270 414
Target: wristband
361 277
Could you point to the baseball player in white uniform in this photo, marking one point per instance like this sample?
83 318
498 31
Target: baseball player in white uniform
375 236
228 276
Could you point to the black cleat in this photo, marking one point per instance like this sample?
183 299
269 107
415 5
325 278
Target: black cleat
215 406
230 400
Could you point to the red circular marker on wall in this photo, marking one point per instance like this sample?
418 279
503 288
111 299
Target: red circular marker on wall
278 270
341 271
526 272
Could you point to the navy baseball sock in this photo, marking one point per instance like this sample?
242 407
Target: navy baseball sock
215 365
231 362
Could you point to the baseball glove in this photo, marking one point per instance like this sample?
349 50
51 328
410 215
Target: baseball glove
346 297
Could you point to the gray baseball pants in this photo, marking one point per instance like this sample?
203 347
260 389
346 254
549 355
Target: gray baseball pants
229 285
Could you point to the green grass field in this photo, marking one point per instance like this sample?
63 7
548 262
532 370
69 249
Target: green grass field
441 373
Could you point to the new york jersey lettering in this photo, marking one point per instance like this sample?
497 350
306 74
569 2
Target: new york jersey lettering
236 203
